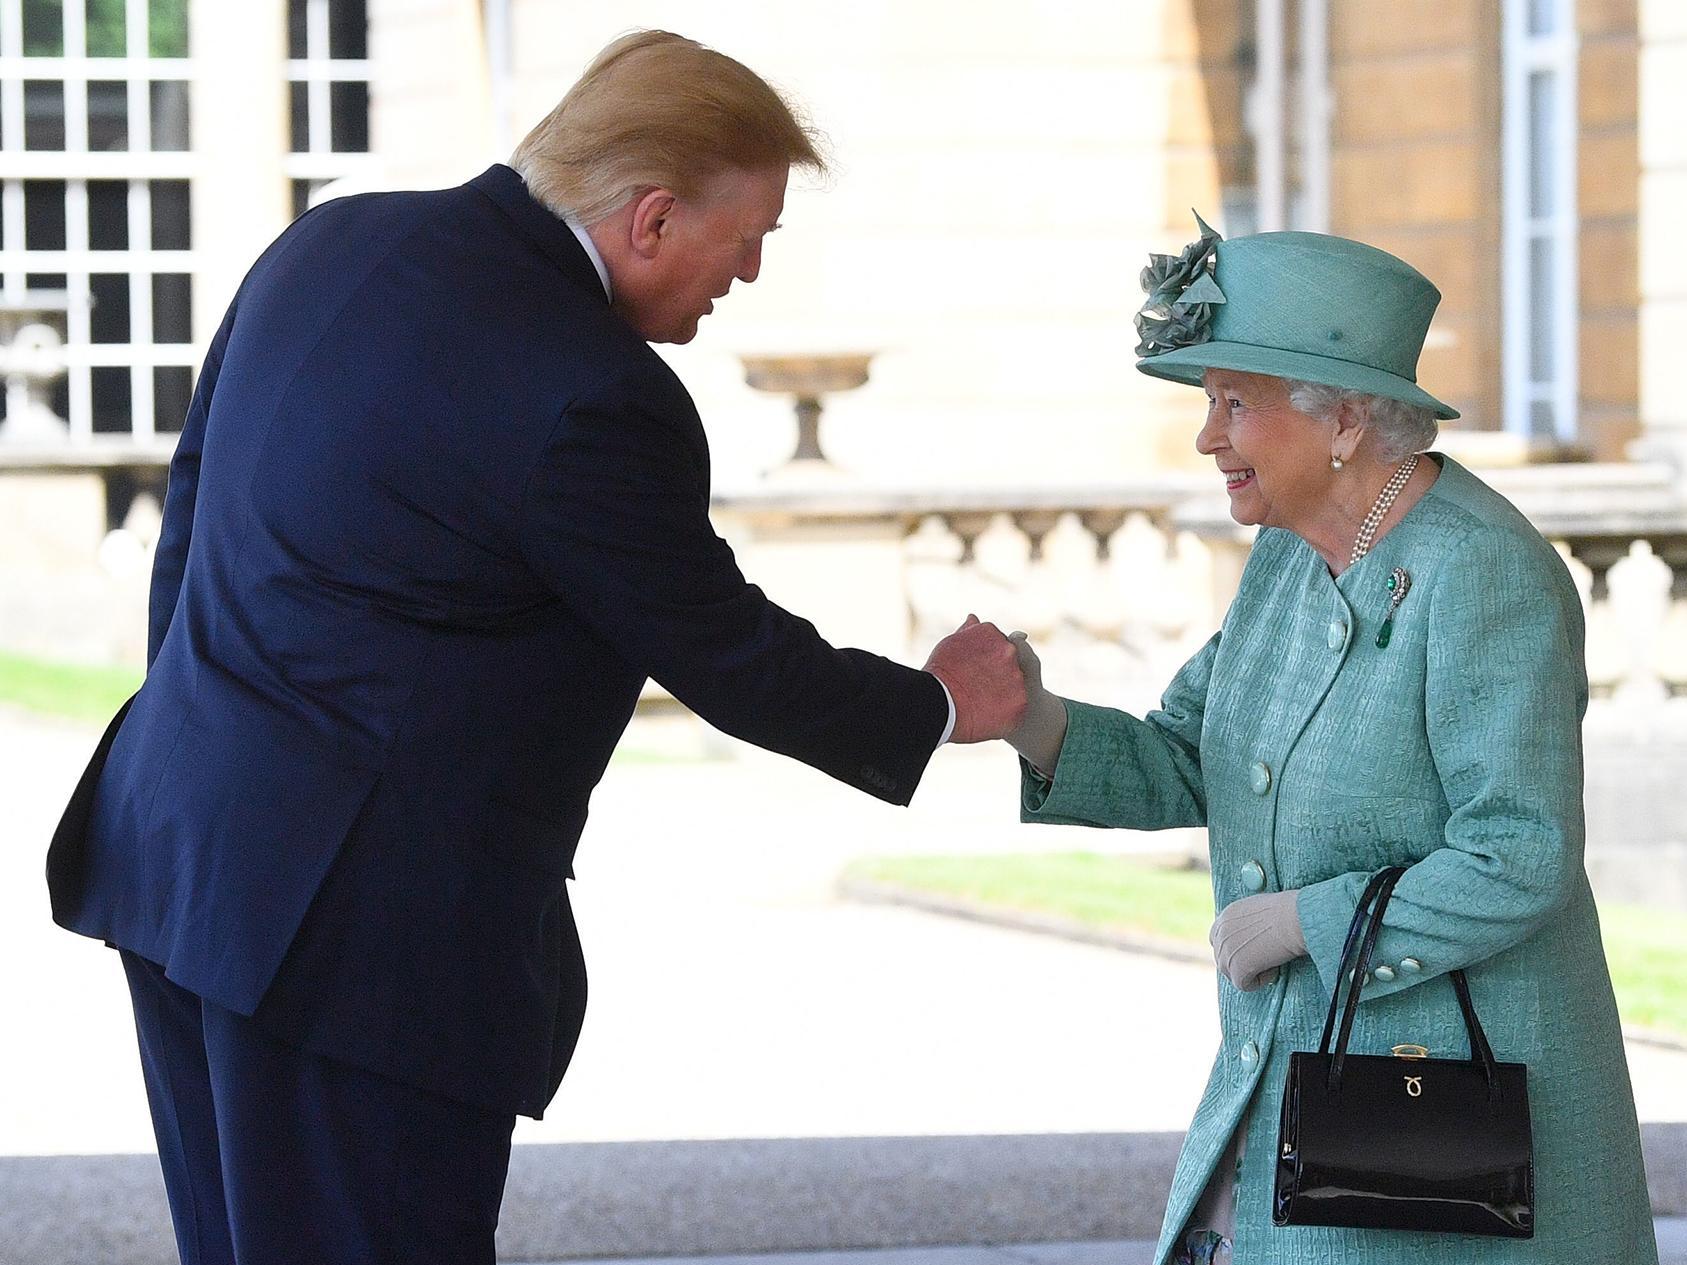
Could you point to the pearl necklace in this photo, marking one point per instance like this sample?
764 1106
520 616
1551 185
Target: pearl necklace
1385 502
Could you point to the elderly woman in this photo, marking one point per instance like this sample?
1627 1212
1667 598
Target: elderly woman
1399 681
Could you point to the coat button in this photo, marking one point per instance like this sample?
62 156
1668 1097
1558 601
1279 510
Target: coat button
1337 634
1249 1052
1385 974
1259 777
1410 965
1253 876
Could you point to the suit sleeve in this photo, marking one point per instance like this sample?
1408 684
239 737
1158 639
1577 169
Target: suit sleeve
1506 691
1118 771
181 491
615 521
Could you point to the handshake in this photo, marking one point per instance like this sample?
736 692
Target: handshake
997 685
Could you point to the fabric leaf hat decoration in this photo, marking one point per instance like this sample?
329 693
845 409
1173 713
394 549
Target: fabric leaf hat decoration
1181 296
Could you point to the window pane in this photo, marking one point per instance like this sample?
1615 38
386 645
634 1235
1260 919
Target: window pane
172 392
167 28
45 281
172 216
108 215
106 37
348 28
298 100
1542 135
43 28
108 115
169 115
109 317
43 114
350 110
111 392
43 215
1542 310
296 46
1541 420
1543 17
172 308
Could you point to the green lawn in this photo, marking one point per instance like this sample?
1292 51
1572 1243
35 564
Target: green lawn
1096 891
82 692
1646 948
69 690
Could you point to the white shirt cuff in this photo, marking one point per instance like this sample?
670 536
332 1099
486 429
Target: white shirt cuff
949 698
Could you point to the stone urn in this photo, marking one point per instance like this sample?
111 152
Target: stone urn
808 379
31 359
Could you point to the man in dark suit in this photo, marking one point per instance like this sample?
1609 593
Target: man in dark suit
437 511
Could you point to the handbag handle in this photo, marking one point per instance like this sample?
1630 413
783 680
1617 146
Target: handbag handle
1355 929
1364 930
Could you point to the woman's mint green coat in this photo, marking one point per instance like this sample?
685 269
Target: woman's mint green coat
1314 757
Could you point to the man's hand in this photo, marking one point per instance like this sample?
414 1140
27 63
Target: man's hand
1255 935
980 667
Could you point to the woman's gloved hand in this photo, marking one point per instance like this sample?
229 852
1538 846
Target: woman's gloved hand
1252 937
1042 733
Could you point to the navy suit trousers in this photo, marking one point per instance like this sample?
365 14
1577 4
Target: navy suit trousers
273 1155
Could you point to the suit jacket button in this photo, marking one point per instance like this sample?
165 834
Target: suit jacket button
1259 777
1410 965
1249 1053
1385 974
1253 876
1336 637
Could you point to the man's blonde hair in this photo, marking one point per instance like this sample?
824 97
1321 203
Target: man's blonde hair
655 109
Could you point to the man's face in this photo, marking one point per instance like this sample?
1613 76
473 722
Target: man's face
702 246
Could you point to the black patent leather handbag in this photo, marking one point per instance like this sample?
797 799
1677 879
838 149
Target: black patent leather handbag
1402 1141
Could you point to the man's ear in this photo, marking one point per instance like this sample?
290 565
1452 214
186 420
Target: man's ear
650 219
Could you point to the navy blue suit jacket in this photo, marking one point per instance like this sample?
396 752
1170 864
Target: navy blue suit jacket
435 514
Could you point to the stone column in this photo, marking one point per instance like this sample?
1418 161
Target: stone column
430 113
241 197
1663 240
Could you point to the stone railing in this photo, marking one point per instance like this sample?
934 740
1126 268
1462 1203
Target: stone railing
1119 584
1132 577
1113 592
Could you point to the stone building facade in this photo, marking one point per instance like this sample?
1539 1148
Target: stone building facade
999 174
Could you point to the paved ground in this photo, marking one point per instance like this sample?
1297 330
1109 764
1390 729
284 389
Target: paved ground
1672 1250
1133 1252
732 995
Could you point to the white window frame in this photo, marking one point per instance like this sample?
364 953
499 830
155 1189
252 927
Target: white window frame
1553 53
320 163
75 166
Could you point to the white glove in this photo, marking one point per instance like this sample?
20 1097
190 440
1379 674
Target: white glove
1041 734
1252 937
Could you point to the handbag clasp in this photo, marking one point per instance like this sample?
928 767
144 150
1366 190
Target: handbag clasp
1411 1051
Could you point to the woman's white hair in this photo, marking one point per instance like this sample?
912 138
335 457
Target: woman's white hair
1401 428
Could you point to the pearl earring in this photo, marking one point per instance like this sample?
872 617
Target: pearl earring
1335 463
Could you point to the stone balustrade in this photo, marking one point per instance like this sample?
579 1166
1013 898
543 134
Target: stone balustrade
1119 584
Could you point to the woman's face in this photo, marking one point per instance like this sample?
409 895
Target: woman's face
1274 458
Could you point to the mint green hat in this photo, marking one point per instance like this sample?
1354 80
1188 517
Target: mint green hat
1293 305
